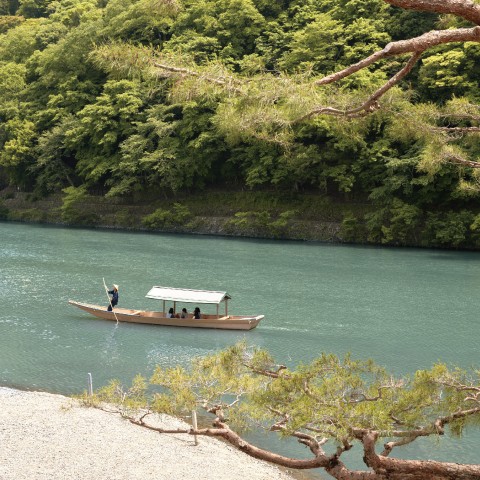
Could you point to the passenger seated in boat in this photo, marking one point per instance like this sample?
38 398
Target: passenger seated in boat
196 313
184 313
171 314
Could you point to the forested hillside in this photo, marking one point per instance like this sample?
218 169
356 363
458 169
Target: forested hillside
155 98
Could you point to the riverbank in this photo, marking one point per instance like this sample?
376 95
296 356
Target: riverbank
239 214
46 436
253 214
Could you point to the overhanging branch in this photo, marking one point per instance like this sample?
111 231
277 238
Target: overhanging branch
461 8
417 468
371 104
414 45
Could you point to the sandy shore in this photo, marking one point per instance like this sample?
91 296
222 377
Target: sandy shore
45 436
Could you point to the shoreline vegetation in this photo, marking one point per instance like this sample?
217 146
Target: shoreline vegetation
49 436
240 214
249 214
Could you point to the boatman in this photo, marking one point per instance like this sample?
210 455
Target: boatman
114 299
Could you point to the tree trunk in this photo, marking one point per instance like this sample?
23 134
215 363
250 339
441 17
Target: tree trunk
421 469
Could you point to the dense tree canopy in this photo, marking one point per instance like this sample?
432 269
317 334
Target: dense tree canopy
127 96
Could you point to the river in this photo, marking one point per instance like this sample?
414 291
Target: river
404 308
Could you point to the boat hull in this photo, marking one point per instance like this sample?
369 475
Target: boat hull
230 322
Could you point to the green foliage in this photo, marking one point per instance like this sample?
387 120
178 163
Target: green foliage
449 72
280 226
245 221
18 141
28 215
403 222
73 210
17 138
72 13
260 223
178 215
84 101
403 24
139 21
225 28
316 46
123 218
128 400
12 81
19 43
448 229
336 398
9 21
32 8
352 229
3 211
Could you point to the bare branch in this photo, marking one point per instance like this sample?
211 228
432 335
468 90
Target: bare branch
465 9
457 129
389 446
462 116
461 8
234 439
455 158
143 424
265 372
459 387
223 81
341 473
442 421
414 45
371 103
359 396
408 436
415 468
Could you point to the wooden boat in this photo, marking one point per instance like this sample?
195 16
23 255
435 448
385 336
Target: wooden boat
177 295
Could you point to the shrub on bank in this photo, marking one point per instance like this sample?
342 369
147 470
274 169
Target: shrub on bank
178 215
260 223
3 211
74 211
28 215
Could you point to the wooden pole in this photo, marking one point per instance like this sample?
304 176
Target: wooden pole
195 425
90 384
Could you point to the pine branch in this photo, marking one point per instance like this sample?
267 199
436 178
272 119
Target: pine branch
466 9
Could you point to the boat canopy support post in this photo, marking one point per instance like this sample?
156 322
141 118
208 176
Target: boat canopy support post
218 316
174 307
226 307
163 307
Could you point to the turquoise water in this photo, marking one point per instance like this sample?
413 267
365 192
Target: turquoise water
405 308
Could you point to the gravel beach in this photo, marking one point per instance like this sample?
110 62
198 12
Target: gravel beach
50 437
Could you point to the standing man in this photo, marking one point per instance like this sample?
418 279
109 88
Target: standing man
114 299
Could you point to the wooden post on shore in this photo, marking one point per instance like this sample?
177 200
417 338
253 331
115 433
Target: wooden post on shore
90 384
195 425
